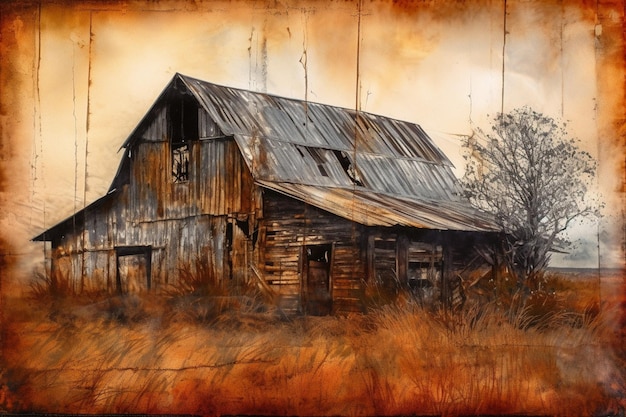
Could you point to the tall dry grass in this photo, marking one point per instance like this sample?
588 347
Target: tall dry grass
199 296
396 360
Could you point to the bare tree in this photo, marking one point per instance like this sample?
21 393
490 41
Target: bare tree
534 178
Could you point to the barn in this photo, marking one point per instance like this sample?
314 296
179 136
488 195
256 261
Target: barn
312 202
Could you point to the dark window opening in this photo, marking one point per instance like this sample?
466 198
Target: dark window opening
318 253
244 227
180 163
348 167
229 235
184 129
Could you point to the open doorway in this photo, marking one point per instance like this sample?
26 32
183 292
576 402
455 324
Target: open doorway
316 274
134 269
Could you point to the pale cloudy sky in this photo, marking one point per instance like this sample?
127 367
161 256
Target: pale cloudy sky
81 76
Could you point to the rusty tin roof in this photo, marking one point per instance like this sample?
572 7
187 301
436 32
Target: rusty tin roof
368 168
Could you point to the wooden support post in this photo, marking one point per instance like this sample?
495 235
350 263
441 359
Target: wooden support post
446 273
331 282
54 259
148 255
370 251
118 278
402 259
495 271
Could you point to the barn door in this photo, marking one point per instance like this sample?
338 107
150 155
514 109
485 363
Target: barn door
133 269
318 301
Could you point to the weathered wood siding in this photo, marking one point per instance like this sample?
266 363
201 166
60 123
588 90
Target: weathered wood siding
219 181
224 184
288 227
88 260
85 255
207 219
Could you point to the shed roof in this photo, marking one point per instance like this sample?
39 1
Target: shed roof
376 209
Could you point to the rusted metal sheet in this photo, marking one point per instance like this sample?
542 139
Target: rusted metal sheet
375 209
284 140
245 112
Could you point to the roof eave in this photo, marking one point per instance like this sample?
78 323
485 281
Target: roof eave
48 234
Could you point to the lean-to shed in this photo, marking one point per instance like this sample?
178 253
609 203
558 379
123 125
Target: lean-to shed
313 202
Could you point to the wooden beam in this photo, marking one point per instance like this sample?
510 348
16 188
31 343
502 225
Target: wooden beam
446 274
370 252
402 262
266 289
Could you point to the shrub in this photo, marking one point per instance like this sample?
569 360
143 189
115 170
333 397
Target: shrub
198 295
46 286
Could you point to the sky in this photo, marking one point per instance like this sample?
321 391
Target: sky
76 78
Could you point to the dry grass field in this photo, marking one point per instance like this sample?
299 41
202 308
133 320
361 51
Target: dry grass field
560 356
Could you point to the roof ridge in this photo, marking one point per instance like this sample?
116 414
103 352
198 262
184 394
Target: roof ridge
294 99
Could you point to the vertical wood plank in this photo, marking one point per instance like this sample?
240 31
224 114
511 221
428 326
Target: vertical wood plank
447 270
402 262
370 252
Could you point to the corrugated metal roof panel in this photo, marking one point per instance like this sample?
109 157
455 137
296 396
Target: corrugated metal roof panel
392 156
308 151
375 209
313 123
275 160
404 178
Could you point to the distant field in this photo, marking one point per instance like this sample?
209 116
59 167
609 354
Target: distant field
153 355
608 276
